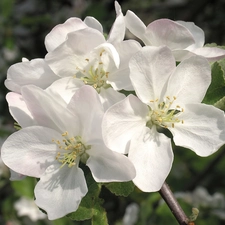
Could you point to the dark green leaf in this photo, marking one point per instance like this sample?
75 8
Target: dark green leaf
216 90
99 217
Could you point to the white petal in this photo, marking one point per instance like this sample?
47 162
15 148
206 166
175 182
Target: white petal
167 32
203 130
48 112
152 159
12 86
65 87
83 41
190 81
60 190
112 55
109 166
122 122
35 72
109 97
30 150
181 54
197 32
117 31
70 56
86 105
93 23
120 78
59 33
150 69
135 26
18 109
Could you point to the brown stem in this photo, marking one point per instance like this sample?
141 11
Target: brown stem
174 206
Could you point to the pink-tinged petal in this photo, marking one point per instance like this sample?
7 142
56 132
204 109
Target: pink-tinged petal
120 79
122 122
109 166
202 129
48 112
186 79
197 33
60 190
65 87
86 105
18 109
150 69
152 159
136 26
109 97
35 72
211 53
93 23
30 150
117 31
167 32
59 33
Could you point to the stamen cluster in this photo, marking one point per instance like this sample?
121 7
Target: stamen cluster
96 76
72 150
163 115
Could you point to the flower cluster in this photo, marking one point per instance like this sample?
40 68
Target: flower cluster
107 103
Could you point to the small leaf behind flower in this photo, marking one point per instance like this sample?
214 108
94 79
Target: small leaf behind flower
120 188
216 90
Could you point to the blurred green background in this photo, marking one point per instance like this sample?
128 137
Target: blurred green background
197 182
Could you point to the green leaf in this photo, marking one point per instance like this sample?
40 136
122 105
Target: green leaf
61 221
99 217
220 104
120 188
216 90
214 45
222 64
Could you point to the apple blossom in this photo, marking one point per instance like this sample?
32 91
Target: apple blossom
62 138
168 97
86 56
82 53
185 39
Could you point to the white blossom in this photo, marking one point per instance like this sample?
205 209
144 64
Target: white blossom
62 138
168 97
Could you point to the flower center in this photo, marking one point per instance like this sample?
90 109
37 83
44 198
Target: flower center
163 115
72 150
95 74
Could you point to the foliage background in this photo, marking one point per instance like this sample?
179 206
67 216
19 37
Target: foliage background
23 27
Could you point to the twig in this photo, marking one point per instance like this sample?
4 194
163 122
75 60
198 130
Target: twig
174 206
